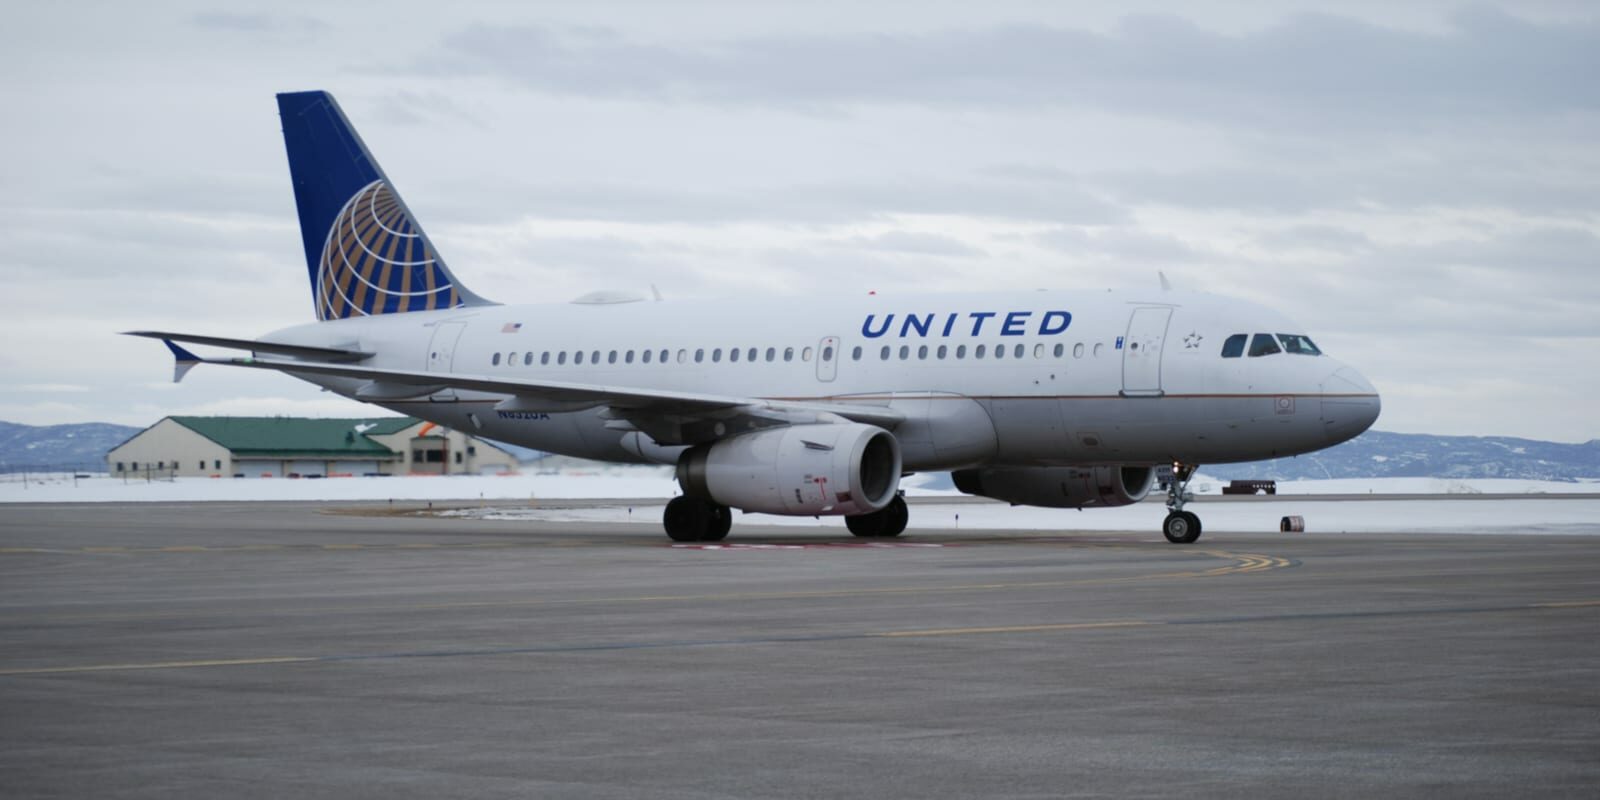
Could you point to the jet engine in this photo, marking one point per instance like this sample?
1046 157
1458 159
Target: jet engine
1059 487
829 468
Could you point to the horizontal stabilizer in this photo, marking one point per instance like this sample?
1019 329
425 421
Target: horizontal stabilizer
329 354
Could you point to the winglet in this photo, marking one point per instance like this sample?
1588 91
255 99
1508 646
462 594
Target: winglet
186 360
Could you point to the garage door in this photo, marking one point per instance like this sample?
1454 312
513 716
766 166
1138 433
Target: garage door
356 468
259 469
306 468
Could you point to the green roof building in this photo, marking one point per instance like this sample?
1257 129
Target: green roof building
272 447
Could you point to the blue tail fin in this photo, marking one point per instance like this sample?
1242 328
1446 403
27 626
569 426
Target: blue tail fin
365 252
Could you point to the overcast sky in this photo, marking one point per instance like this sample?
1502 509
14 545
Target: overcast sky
1419 186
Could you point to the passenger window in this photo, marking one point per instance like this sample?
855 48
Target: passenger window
683 356
1264 345
788 354
999 351
827 353
1234 346
577 358
544 359
645 356
942 352
1038 350
664 356
716 356
1299 345
1060 350
561 358
922 353
1017 351
627 358
855 354
772 353
699 355
733 355
511 358
495 361
961 351
594 358
805 355
979 351
905 352
1077 350
884 353
612 357
750 356
1099 347
527 359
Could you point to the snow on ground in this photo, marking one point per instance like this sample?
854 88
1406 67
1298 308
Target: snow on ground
620 482
605 482
1529 514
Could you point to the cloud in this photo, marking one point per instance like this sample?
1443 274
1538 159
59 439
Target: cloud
257 24
1307 69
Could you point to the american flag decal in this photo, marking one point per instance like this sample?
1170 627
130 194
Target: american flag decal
511 327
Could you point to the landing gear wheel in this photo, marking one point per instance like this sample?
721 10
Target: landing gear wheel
721 523
690 519
865 525
896 515
1181 527
885 522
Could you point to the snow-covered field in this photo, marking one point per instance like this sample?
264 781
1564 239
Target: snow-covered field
1535 511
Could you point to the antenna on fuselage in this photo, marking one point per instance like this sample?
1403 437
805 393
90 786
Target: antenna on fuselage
1166 285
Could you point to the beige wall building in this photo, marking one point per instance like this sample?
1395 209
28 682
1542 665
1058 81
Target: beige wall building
259 447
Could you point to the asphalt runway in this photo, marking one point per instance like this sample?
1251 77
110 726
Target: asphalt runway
273 650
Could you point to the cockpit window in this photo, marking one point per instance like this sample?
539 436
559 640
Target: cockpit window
1234 346
1300 345
1264 345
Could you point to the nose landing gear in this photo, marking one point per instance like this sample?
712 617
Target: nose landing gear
1180 527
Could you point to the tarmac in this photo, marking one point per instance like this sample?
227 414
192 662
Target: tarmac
351 650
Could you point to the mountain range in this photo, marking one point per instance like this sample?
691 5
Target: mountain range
1374 454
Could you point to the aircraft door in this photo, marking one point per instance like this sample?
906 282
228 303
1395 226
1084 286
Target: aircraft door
828 358
442 347
1141 352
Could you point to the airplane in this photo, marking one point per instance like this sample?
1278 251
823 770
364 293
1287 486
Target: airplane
792 405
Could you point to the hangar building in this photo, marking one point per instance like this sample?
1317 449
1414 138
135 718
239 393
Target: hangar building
275 447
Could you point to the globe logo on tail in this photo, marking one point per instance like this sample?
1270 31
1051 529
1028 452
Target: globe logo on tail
375 261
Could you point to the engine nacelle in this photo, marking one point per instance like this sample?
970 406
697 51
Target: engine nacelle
830 468
1059 487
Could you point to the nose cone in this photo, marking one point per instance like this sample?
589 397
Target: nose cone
1350 405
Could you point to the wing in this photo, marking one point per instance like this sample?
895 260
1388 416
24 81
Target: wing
668 417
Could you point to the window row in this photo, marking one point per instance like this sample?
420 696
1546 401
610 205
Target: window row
133 466
684 356
941 352
1265 344
773 354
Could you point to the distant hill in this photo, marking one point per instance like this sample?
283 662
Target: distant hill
61 448
1377 454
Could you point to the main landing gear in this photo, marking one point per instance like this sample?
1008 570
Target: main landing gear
691 519
885 522
1180 527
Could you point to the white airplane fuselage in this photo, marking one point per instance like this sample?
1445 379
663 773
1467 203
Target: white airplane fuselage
1080 378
